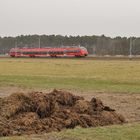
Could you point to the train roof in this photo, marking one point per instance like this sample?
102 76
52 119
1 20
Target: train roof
44 48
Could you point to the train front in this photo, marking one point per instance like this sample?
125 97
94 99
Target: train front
15 52
83 51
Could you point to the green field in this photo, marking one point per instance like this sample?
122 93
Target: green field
81 75
123 132
94 75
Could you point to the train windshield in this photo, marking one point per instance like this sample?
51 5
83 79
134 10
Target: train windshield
83 48
14 50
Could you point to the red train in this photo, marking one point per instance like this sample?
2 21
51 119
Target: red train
49 52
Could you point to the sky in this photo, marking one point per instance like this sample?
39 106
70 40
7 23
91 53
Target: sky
70 17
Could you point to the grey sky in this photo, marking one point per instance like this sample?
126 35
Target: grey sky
70 17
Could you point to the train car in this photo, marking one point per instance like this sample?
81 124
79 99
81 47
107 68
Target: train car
49 52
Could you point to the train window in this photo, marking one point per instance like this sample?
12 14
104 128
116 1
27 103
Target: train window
36 52
55 52
28 53
73 51
24 52
65 51
44 53
77 50
70 51
60 52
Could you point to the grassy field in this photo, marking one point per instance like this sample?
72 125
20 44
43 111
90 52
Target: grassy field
75 74
94 75
116 132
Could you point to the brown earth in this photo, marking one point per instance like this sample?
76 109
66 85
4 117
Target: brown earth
38 112
127 104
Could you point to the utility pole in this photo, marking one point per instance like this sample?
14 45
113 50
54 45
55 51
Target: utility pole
16 45
79 45
130 49
61 45
39 42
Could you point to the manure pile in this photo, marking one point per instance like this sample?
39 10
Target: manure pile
45 112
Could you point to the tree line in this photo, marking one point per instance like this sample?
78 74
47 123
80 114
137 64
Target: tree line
97 45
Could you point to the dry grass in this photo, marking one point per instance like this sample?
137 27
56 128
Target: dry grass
95 75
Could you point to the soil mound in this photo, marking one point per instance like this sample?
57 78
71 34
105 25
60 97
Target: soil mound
39 112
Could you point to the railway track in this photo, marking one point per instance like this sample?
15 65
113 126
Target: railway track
83 58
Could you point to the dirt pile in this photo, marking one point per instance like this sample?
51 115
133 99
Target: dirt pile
45 112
